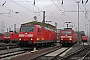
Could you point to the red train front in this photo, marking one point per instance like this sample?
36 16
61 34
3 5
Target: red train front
84 38
10 37
68 37
35 34
7 36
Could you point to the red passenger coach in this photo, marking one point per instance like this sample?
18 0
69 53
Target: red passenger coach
36 34
68 37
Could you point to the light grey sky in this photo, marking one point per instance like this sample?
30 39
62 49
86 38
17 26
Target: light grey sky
25 8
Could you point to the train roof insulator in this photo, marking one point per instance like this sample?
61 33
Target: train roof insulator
67 28
10 31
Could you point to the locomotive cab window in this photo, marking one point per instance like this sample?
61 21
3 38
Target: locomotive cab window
7 34
27 29
30 29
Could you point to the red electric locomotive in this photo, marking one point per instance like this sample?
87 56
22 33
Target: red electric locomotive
84 38
10 37
68 37
36 34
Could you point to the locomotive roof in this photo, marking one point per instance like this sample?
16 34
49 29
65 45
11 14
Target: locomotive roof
27 25
40 23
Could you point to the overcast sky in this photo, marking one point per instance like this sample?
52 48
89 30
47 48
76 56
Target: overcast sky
53 9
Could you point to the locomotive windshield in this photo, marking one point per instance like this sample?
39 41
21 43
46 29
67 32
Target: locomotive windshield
7 34
66 32
27 29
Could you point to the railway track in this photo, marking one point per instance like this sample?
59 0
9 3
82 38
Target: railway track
31 56
13 53
86 56
3 56
16 52
8 46
44 54
54 54
80 54
51 55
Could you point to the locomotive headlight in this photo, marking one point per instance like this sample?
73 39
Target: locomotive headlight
70 38
38 39
42 38
25 33
61 38
31 39
20 39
